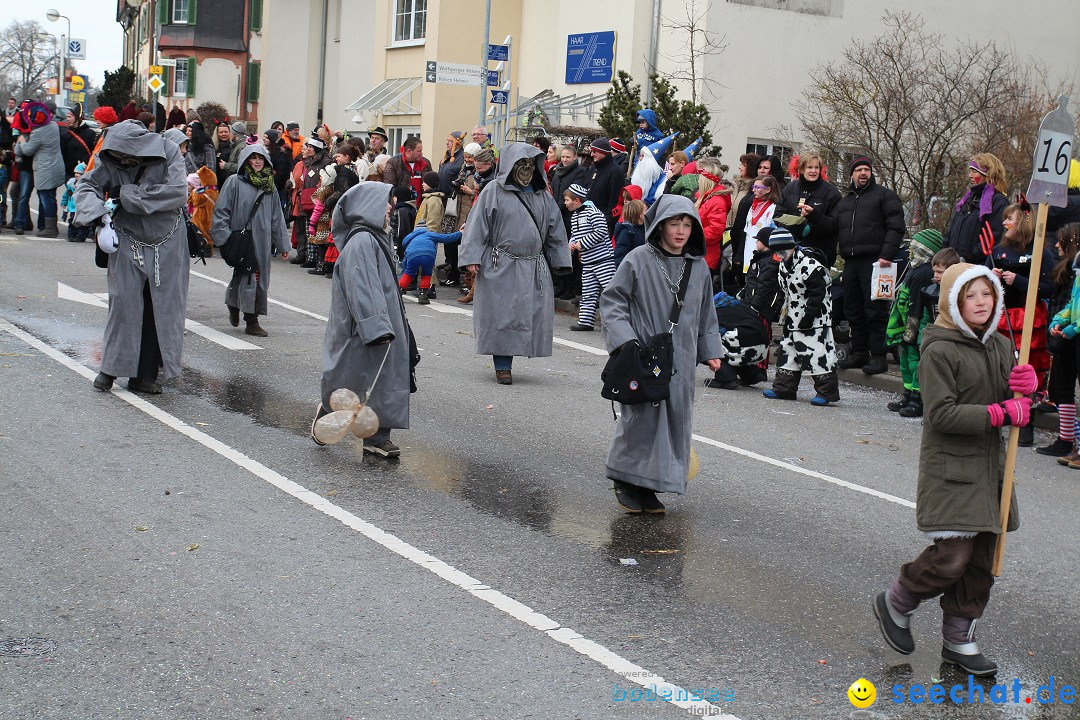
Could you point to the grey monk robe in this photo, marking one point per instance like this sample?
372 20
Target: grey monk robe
514 306
366 307
234 203
651 447
147 211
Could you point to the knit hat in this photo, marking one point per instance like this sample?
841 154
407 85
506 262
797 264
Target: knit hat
763 235
930 238
602 144
274 136
472 149
781 239
292 126
578 191
859 161
486 155
431 179
316 143
194 181
239 128
380 132
617 145
405 193
80 168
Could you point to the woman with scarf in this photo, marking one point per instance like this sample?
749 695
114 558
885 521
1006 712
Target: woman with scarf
713 205
980 211
254 182
756 211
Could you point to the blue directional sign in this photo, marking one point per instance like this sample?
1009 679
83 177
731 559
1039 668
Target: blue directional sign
498 97
499 53
590 58
493 78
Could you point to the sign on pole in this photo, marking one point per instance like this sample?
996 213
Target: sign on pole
155 83
77 96
76 49
167 62
499 97
454 74
590 57
493 78
78 83
499 53
154 70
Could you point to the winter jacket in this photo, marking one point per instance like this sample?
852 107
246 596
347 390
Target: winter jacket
75 146
449 170
870 222
422 242
627 237
648 136
905 316
43 146
589 228
761 288
398 174
465 200
402 222
293 147
1012 260
430 212
713 211
605 186
823 196
201 157
967 224
1068 318
806 282
687 186
961 371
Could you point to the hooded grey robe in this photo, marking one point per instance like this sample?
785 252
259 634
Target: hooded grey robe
365 305
651 447
149 212
514 307
234 203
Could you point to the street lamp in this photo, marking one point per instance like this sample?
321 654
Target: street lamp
53 16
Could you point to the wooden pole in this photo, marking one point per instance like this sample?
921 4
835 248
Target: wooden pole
1025 351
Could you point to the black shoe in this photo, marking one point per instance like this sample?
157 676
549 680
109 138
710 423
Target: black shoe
1027 436
854 360
316 270
422 298
1058 448
896 635
968 658
384 449
234 316
878 364
298 260
104 382
319 412
719 385
914 408
254 328
582 328
504 377
899 403
144 386
431 293
626 497
649 502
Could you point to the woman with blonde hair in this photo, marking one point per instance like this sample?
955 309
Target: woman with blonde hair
713 205
981 211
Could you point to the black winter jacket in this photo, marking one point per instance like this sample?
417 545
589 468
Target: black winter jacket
605 187
562 178
870 222
966 225
761 290
823 197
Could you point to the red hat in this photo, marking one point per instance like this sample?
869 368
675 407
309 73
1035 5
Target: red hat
617 145
34 115
106 115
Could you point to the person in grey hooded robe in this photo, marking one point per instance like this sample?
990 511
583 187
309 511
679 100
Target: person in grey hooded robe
247 293
650 452
514 233
144 175
367 329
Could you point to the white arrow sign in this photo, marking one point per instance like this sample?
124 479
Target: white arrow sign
454 74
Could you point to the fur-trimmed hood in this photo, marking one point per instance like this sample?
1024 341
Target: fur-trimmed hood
952 282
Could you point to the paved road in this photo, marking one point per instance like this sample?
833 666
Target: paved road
194 555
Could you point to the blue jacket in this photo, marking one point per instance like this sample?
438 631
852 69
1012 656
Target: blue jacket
421 242
650 135
1068 320
627 237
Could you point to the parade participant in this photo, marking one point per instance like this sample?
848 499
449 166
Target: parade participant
650 451
589 239
367 334
967 376
236 209
807 344
201 199
979 211
514 233
143 174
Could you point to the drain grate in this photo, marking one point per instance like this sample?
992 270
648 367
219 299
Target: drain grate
26 647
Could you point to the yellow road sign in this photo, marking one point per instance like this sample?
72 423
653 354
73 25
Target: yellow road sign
155 83
154 70
78 82
77 96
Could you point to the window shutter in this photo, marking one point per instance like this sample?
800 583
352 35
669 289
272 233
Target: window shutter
163 16
167 76
191 11
256 13
253 75
191 77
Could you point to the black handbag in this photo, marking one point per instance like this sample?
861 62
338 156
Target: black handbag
638 373
196 242
238 252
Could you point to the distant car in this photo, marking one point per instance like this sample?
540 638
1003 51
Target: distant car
62 112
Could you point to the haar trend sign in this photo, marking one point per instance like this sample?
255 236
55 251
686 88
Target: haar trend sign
590 58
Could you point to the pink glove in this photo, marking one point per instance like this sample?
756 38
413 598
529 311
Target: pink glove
1015 411
1022 379
311 230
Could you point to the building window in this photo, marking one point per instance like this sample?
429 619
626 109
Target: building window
180 78
768 147
180 11
398 136
410 20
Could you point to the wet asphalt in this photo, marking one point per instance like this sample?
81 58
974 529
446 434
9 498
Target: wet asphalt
759 580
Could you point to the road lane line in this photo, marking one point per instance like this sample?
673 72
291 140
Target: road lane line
226 341
295 309
552 629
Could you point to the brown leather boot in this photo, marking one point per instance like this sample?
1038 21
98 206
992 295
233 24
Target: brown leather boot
470 283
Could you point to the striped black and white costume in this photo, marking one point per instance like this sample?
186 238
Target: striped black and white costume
589 228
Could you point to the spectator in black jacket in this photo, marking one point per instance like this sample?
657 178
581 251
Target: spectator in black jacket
568 172
979 209
871 228
815 198
607 180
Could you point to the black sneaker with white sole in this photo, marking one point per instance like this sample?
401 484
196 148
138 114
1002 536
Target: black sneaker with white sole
895 627
383 448
319 412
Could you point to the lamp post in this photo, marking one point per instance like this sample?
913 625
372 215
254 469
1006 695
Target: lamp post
53 16
56 45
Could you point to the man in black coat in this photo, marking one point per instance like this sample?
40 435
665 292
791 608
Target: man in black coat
871 226
606 183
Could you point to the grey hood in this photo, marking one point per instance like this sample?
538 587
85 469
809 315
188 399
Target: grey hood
361 206
132 138
176 135
256 149
510 155
668 206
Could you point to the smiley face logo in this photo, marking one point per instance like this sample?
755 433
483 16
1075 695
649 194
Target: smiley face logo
862 693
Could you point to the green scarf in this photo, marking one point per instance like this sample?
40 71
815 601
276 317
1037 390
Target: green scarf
262 180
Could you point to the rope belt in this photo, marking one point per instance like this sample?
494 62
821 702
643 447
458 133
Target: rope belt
541 265
138 245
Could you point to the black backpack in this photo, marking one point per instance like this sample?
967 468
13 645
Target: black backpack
238 252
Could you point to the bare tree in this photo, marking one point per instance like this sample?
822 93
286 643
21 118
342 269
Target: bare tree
700 44
921 106
27 58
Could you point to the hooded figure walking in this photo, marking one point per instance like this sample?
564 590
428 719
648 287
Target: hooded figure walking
514 232
368 335
144 175
650 452
247 293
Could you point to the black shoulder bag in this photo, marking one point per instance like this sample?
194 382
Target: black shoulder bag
238 252
196 243
637 373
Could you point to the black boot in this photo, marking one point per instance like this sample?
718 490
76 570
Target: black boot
320 264
958 646
785 386
895 405
914 407
878 364
855 360
1027 436
827 387
104 382
422 297
723 379
252 326
1059 448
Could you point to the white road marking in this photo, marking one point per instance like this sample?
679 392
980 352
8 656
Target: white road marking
564 635
272 300
66 292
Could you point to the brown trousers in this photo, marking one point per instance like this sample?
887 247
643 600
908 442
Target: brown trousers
957 569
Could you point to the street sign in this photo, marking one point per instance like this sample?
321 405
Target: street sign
454 74
498 97
499 52
167 62
155 83
76 49
77 96
1053 153
78 82
590 57
493 78
154 70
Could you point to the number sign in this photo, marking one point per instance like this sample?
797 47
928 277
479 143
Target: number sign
1053 154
